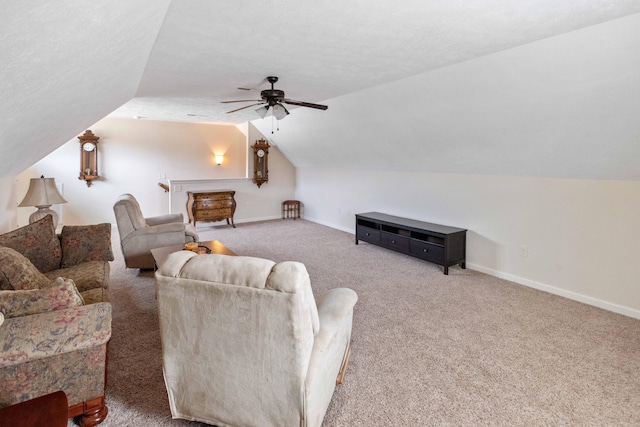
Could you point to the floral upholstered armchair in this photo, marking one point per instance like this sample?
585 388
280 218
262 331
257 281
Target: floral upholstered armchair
55 325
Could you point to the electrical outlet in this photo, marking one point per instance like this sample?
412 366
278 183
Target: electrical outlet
162 175
177 188
524 251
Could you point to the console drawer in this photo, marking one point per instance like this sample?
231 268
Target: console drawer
427 251
213 213
394 241
368 234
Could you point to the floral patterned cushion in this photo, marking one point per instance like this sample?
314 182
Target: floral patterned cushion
38 242
88 275
62 294
82 243
18 273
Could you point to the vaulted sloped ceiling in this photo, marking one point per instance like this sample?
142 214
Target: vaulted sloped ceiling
471 87
567 106
65 65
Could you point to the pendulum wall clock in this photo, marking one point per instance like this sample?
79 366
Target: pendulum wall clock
260 162
88 157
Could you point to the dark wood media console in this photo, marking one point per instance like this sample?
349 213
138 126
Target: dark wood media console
440 244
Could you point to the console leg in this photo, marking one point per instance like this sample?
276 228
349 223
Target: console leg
446 270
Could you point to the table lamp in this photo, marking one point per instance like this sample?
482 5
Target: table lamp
42 193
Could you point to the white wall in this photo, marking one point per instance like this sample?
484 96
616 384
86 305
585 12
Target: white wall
134 154
253 203
581 235
8 203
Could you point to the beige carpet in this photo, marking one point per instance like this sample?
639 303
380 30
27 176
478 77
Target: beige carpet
428 349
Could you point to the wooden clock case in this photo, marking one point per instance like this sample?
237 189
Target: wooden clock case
260 162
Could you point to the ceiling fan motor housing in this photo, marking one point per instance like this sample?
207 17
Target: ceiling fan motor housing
272 96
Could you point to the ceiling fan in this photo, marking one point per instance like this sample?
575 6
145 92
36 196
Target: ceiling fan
274 99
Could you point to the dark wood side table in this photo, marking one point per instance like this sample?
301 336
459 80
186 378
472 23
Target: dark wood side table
50 410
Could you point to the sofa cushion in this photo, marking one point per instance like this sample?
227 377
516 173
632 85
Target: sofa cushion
38 242
88 275
18 273
61 294
82 243
94 296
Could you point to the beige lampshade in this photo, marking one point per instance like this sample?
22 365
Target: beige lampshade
42 193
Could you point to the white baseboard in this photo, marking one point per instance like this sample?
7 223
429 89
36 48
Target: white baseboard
238 221
616 308
328 224
605 305
262 218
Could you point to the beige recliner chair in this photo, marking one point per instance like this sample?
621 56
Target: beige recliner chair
244 344
138 235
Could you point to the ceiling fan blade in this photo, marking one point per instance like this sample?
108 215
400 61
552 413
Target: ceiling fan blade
304 104
253 88
242 108
241 100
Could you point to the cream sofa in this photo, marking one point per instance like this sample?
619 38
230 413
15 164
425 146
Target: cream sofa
244 343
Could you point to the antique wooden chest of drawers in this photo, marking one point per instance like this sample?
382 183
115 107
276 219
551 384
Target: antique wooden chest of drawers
211 206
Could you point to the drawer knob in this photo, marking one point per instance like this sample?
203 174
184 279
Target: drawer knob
425 250
367 234
393 241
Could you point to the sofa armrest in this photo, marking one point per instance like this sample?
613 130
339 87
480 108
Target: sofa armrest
164 219
42 335
335 311
154 237
333 308
172 227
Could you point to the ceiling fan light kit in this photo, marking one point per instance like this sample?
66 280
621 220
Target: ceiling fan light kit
280 112
262 111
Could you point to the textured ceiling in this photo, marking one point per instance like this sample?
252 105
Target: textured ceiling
412 85
65 65
205 50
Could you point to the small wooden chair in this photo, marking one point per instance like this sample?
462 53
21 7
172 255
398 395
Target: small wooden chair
291 209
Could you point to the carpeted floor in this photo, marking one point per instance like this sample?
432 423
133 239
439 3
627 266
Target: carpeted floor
428 349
